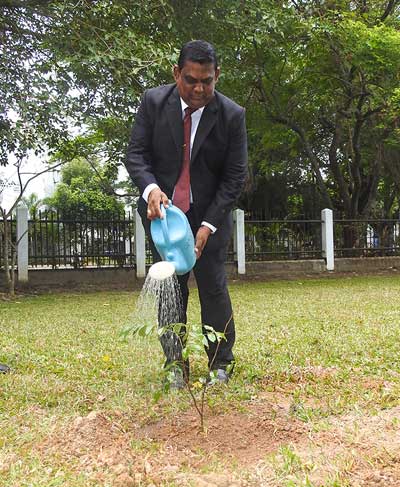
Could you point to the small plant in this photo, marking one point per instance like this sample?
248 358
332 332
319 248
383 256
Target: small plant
193 338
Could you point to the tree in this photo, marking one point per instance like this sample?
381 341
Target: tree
8 238
85 189
33 203
327 72
69 66
32 114
318 80
109 55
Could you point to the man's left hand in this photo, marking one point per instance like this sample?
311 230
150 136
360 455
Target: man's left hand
201 239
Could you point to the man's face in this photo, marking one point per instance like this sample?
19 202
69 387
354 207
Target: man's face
196 83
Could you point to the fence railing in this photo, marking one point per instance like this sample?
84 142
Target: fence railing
118 240
90 241
282 239
366 238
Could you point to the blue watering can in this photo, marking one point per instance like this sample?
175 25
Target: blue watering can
173 239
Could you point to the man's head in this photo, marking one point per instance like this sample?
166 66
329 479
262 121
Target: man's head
196 73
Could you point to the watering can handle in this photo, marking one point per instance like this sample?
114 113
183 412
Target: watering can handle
164 226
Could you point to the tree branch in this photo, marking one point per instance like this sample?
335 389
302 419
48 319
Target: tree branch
372 182
303 137
389 9
106 185
364 6
337 173
355 139
23 186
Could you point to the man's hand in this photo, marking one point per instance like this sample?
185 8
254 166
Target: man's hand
201 239
156 197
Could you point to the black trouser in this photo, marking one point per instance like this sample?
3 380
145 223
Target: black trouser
215 303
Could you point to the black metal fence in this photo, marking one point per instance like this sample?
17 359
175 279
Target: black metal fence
96 240
109 240
366 238
282 239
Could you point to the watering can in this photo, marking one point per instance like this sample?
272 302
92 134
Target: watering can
173 239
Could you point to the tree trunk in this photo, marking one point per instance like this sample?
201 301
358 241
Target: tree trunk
8 264
11 289
351 240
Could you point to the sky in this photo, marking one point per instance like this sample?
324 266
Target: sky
43 185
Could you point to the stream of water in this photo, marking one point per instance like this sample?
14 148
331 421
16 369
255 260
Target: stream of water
160 302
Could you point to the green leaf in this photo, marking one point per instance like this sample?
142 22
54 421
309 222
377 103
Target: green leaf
211 337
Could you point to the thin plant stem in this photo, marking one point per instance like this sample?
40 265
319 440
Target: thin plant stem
203 392
199 406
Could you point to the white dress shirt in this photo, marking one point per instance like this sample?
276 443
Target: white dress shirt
196 116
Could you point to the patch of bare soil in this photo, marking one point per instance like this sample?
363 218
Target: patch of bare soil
237 437
364 450
236 451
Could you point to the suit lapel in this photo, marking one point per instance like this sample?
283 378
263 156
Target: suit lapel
207 122
174 115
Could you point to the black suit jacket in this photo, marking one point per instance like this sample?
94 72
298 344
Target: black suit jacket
218 165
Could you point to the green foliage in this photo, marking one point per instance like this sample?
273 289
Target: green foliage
108 57
32 202
194 338
65 64
325 73
85 189
319 81
32 115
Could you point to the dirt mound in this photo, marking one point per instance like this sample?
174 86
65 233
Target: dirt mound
265 445
237 437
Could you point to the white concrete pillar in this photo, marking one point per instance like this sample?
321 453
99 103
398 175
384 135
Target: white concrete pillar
127 250
140 247
239 241
22 243
328 251
234 237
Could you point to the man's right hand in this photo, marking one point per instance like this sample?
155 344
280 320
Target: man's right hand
156 197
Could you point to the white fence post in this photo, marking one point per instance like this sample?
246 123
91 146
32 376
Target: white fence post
239 241
22 243
327 239
127 250
140 246
234 237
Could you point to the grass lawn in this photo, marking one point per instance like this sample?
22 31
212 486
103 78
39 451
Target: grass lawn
315 395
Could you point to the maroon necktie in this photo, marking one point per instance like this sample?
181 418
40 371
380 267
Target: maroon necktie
182 188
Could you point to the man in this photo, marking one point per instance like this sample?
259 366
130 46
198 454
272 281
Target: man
189 145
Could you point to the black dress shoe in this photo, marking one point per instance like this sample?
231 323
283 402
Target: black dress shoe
218 376
4 369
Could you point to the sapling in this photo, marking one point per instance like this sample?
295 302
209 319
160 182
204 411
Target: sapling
193 339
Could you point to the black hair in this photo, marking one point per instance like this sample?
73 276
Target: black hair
201 52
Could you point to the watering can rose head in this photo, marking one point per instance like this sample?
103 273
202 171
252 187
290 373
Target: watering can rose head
162 270
173 239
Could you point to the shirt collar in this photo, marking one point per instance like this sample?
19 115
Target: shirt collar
184 105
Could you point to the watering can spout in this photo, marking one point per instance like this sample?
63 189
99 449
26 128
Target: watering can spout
173 239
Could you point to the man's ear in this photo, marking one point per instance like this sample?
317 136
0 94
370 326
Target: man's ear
176 72
216 76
